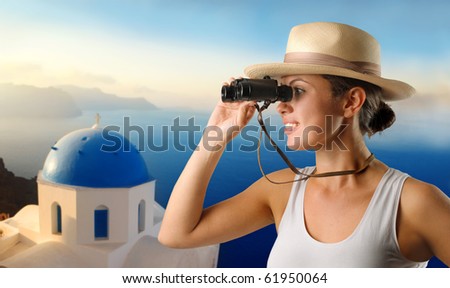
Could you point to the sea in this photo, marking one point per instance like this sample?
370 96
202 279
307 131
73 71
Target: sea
167 138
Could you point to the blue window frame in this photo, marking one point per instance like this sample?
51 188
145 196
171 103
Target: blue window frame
141 216
58 219
101 223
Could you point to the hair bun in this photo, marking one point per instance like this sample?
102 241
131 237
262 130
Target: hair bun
383 118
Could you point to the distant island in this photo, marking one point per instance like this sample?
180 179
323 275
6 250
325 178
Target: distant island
29 102
25 101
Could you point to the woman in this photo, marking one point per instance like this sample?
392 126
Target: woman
374 217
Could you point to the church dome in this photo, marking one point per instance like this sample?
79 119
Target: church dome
95 158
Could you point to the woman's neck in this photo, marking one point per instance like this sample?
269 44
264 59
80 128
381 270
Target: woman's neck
353 157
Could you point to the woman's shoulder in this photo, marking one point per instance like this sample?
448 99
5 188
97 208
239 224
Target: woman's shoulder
424 215
420 199
277 195
412 188
287 174
416 195
280 179
418 191
283 179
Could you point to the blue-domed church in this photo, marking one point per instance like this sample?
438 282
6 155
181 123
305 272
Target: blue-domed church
96 209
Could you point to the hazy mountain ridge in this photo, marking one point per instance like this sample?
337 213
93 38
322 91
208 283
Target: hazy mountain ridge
25 101
96 99
28 102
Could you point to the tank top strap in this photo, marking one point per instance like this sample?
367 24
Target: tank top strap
384 204
293 213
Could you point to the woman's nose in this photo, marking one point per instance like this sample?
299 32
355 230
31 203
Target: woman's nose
284 108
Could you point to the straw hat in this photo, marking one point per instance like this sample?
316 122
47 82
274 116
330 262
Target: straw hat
333 49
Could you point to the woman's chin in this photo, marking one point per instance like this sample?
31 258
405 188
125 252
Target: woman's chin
300 146
295 146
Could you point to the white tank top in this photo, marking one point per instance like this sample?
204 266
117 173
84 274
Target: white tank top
373 243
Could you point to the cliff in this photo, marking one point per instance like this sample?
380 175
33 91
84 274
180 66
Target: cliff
15 192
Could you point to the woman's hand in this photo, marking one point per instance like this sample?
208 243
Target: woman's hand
230 118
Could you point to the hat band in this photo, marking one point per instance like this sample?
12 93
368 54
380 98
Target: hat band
312 58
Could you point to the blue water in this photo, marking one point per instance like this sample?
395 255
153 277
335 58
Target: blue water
237 170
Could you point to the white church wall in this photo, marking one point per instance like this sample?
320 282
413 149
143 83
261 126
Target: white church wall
115 200
64 196
146 193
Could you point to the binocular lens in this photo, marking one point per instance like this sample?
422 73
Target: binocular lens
228 94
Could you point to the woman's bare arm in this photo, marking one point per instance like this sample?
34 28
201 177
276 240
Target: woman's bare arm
424 222
185 223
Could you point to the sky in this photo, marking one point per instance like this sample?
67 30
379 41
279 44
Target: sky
178 53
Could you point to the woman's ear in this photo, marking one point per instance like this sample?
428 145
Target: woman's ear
354 99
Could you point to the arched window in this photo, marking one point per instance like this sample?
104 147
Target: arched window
101 223
56 218
141 216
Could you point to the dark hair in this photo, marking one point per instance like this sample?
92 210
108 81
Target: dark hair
375 115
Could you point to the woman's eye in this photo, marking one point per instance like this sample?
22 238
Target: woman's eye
298 91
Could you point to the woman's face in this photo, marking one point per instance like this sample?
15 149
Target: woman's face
313 118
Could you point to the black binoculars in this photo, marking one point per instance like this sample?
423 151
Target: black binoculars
256 90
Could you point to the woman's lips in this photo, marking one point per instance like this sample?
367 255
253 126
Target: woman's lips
290 127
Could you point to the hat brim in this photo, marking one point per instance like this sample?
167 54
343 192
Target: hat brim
392 89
